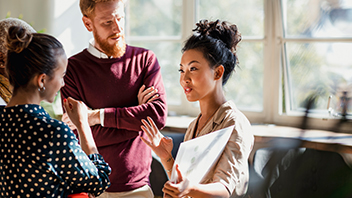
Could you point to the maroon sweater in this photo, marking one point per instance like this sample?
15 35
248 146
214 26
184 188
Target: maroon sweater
113 84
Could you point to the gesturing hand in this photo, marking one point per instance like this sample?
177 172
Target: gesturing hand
147 95
76 111
162 146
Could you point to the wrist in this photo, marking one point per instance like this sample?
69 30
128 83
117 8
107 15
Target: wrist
94 117
168 163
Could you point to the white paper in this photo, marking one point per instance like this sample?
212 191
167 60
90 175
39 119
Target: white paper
196 156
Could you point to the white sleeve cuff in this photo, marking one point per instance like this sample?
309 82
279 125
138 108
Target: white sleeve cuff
102 117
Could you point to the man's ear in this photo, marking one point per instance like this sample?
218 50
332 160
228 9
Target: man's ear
219 71
87 23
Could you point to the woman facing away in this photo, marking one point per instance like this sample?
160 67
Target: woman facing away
5 89
209 57
41 156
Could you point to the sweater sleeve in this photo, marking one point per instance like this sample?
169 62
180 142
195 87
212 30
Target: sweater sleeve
129 118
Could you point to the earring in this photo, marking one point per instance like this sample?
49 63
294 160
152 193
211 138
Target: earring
41 89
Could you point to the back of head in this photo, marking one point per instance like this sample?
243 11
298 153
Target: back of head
87 6
218 41
30 54
4 26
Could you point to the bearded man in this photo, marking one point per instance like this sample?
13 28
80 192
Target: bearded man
122 84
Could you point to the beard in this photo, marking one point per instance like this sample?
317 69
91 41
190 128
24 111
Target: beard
116 50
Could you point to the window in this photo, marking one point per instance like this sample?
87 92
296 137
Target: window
290 49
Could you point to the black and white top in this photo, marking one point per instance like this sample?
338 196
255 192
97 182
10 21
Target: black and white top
41 157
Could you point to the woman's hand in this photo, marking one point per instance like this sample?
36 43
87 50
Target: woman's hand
162 146
76 110
78 114
181 188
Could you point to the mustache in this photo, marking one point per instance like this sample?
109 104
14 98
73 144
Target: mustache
116 35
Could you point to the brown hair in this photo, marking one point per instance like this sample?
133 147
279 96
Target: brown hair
4 26
87 6
30 54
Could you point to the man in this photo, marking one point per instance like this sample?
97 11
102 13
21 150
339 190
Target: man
5 88
110 77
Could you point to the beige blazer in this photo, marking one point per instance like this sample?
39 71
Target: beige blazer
231 169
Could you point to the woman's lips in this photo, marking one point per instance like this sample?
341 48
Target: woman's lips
187 90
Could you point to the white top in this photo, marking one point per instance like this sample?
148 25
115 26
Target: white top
2 102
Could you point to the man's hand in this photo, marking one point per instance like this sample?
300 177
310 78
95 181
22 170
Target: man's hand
147 95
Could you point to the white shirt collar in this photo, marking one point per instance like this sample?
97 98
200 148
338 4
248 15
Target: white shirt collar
2 102
95 52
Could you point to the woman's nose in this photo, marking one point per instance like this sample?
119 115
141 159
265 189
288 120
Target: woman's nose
185 77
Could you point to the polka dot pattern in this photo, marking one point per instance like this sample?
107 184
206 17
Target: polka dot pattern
41 157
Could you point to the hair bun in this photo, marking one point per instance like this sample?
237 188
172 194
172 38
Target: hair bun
18 39
224 31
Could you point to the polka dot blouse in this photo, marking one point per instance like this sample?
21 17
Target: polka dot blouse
41 157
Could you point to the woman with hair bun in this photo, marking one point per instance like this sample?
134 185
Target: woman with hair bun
208 60
41 156
5 88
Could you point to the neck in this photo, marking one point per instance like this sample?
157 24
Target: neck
23 96
211 103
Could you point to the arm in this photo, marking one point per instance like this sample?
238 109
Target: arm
128 118
81 172
77 111
144 96
162 146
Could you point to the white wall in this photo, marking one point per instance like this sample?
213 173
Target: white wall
60 18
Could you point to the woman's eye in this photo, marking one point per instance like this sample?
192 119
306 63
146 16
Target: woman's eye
180 70
193 69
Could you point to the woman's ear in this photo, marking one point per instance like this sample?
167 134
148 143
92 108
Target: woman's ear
87 23
219 71
41 78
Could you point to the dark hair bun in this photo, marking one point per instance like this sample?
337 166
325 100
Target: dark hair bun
224 31
18 39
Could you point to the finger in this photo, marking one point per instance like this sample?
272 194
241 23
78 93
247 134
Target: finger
179 174
153 98
172 192
150 136
65 117
153 125
66 105
167 195
148 93
141 89
146 141
148 127
71 102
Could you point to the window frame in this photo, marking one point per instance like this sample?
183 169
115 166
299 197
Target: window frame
275 68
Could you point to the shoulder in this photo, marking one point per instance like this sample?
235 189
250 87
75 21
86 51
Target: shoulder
139 51
79 57
228 112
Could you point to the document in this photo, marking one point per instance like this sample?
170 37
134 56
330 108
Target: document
195 157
